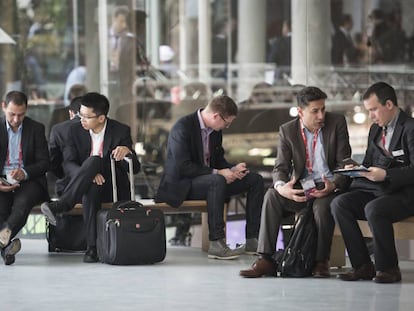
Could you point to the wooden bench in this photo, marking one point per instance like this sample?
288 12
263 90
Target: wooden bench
191 206
403 230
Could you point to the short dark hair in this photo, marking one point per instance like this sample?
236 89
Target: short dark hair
224 105
75 104
384 92
98 102
18 98
309 94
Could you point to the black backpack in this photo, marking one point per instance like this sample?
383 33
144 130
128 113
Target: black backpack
298 258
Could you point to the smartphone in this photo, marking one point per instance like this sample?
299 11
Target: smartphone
350 161
5 181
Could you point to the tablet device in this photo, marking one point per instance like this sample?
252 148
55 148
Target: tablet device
351 172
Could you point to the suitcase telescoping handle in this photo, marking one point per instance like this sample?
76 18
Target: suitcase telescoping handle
128 158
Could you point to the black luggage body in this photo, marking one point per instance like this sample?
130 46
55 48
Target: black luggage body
129 233
68 235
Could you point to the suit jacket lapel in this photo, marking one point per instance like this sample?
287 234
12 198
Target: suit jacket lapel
4 140
107 138
198 138
301 151
25 140
397 132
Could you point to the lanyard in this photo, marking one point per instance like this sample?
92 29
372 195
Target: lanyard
384 134
309 162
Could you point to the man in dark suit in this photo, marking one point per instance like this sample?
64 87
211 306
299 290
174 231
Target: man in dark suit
91 143
196 169
122 50
384 194
24 160
310 148
343 49
57 142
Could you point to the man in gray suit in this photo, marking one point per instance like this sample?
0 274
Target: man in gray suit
310 148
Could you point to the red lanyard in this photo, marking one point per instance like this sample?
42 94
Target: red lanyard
20 160
309 162
384 134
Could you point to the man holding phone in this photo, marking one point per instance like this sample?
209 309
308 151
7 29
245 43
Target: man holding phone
311 146
24 160
195 169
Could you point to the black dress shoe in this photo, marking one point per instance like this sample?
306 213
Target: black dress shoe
364 272
8 253
388 276
91 255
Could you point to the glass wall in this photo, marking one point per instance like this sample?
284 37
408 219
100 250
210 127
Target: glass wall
157 60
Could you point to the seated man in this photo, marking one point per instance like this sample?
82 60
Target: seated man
384 194
24 160
91 143
57 142
310 148
195 169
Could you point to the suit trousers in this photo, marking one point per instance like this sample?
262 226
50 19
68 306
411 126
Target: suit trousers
82 189
380 212
215 190
276 207
15 206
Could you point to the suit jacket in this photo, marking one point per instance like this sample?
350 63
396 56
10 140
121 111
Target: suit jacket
341 46
291 154
399 164
34 149
185 159
78 149
57 142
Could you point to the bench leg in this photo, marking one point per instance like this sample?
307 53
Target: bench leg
204 232
337 252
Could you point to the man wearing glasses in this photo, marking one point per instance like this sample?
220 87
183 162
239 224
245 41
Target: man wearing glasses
91 143
195 169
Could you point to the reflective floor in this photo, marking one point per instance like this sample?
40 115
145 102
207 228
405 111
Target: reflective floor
186 280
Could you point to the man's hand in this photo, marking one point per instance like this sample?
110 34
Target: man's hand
374 174
4 188
17 174
240 170
120 152
99 179
329 188
287 191
228 174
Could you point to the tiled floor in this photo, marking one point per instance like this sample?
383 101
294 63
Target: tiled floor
186 280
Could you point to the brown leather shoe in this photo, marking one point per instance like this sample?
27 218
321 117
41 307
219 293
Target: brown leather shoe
364 272
259 268
388 276
321 269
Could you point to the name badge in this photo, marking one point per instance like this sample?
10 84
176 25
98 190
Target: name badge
397 153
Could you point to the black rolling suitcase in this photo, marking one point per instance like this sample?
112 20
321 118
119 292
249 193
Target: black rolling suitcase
129 233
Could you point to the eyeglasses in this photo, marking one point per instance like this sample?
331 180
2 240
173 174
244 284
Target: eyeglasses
81 116
226 123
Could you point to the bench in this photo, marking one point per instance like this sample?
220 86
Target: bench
190 206
403 230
